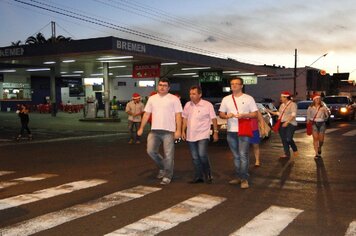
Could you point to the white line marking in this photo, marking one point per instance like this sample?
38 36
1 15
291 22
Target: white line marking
327 131
54 219
269 223
25 179
301 131
350 133
47 193
6 172
351 231
171 217
63 139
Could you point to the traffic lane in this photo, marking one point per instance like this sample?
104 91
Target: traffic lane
105 158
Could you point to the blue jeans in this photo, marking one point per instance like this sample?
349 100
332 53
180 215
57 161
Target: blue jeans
154 140
198 150
286 134
239 147
133 127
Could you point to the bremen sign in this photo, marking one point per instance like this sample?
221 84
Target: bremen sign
10 52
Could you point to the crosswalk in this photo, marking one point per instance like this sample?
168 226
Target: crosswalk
270 222
350 133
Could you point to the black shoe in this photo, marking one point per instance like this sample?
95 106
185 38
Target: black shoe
209 180
196 181
319 150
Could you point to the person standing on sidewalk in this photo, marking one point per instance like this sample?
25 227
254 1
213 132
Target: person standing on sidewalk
317 114
233 107
198 115
287 113
25 119
166 111
134 109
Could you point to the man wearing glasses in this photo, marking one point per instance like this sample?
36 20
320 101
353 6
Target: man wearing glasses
166 111
233 107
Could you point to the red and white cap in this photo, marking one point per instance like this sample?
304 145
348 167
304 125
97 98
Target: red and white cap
285 94
315 96
136 96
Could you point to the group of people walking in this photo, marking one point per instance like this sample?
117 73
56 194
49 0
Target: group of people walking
169 121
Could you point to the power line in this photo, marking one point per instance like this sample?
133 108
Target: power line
110 25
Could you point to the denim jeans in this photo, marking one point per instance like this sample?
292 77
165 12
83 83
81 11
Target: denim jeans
154 140
239 147
133 127
286 134
198 150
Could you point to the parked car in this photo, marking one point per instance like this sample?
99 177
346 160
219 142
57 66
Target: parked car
222 123
301 117
341 107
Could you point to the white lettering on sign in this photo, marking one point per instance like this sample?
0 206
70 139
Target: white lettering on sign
129 46
8 52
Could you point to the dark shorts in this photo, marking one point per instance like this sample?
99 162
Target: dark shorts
255 138
319 127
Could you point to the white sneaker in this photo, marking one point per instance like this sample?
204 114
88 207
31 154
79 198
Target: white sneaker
160 174
165 181
244 184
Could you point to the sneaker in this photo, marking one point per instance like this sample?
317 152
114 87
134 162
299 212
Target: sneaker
235 181
165 181
244 184
131 141
160 174
295 154
138 142
30 137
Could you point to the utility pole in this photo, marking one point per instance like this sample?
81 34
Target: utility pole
295 75
53 27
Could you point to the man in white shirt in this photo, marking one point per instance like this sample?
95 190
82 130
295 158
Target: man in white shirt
134 109
234 107
166 111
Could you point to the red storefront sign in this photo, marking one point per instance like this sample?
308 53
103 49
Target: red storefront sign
146 71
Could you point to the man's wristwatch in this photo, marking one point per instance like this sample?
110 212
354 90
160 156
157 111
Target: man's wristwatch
216 131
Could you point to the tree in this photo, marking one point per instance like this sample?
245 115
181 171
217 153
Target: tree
39 39
17 43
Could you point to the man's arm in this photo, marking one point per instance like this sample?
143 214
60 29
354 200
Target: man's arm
144 120
184 128
177 134
215 129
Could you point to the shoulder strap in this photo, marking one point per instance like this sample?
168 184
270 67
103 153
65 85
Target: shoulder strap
316 113
233 98
280 118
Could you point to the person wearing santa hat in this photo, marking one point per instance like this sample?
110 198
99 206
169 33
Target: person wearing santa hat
287 113
135 111
317 113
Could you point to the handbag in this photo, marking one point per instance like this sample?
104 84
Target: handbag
277 125
245 124
310 124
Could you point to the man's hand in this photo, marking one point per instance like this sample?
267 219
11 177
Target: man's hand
139 132
184 136
177 134
215 137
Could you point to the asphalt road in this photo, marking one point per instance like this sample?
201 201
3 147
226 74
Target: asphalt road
94 183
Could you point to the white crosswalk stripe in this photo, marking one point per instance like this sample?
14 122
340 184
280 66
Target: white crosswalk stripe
32 178
6 172
48 193
51 220
351 231
269 223
350 133
328 131
171 217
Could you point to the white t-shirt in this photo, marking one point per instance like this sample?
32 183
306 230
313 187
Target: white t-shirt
245 104
163 110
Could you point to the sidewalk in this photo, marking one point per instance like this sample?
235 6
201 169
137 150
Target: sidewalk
62 123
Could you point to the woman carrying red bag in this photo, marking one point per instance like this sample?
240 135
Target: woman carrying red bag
317 114
287 113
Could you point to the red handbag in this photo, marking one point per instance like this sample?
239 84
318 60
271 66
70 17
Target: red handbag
276 126
309 128
310 124
245 124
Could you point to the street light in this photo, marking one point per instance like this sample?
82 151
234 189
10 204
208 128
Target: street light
295 71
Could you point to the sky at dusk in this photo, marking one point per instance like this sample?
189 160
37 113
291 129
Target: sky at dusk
255 31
